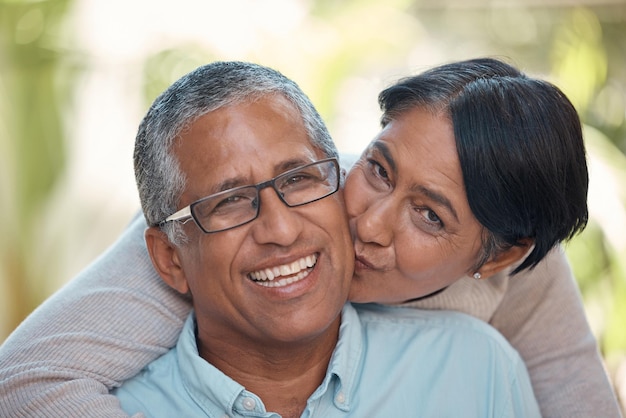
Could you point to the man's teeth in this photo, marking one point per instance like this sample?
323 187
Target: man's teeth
296 271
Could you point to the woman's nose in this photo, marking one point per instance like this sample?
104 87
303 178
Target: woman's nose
375 224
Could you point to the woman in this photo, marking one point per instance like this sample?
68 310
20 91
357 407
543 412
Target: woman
474 159
478 172
452 186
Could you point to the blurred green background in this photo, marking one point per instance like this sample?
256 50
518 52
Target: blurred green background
76 76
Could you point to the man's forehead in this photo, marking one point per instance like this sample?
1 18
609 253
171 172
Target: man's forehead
245 174
244 124
245 142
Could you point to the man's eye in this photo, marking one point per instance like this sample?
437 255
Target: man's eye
233 201
230 199
296 178
300 181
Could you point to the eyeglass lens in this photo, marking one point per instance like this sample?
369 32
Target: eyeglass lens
241 205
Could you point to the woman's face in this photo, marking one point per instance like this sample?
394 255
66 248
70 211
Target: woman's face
413 230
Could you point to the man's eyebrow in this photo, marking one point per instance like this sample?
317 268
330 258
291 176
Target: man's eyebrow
240 181
384 150
437 197
290 164
228 184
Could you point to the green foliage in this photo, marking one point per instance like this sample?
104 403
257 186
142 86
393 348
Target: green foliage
166 66
579 58
598 256
31 98
32 137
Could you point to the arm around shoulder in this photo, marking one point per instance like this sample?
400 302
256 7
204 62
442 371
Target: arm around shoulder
100 329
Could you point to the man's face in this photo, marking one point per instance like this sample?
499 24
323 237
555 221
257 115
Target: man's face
246 144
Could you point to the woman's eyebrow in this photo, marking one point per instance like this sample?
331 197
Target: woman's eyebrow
384 150
437 197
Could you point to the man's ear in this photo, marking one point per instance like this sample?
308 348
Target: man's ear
505 259
166 259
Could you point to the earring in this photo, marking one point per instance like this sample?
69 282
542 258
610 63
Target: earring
477 276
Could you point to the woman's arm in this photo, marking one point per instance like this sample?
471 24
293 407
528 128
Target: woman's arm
542 316
99 330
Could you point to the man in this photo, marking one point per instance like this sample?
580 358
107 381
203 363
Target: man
238 180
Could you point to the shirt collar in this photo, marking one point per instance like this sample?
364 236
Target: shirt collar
214 392
217 393
346 362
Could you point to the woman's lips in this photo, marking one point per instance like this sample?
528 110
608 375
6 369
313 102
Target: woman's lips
363 263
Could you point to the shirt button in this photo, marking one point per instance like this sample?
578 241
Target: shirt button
340 398
249 403
224 416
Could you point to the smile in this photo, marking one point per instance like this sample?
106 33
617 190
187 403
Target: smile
285 274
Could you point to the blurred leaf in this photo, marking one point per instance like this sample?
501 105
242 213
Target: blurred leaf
579 59
32 136
166 66
598 255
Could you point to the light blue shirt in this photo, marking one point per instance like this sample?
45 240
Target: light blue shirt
388 362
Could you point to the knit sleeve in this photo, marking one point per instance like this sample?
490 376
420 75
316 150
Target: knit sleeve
542 316
97 331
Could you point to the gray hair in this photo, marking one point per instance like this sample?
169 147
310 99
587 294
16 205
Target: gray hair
160 180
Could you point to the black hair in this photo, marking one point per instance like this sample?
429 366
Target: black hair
520 146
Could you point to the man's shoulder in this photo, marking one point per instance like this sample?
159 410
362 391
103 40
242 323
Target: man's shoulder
433 355
403 316
440 325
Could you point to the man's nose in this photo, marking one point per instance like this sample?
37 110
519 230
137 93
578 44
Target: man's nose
277 223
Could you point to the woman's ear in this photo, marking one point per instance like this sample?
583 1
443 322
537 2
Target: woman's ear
505 259
166 259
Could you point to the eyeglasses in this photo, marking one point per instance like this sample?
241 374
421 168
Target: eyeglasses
235 207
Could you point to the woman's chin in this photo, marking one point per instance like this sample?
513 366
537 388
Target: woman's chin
359 297
361 293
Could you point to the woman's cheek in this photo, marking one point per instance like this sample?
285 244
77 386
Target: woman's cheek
356 194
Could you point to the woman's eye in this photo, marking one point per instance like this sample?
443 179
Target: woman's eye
378 169
430 217
376 175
